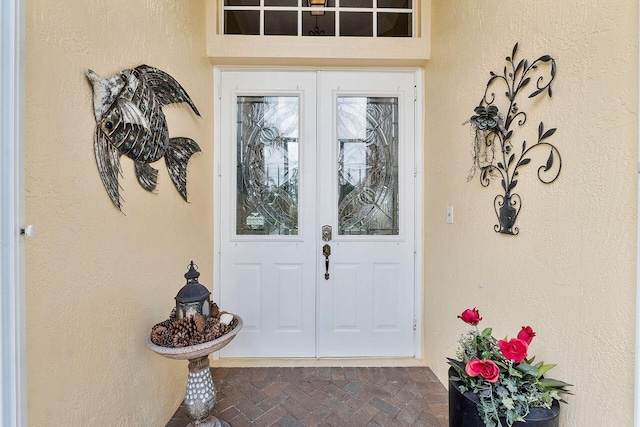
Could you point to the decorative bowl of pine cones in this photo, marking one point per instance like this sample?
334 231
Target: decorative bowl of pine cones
195 336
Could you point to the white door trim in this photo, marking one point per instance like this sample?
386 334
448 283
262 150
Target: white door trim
419 204
419 210
12 302
636 385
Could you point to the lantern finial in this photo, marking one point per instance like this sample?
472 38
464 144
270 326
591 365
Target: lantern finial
192 274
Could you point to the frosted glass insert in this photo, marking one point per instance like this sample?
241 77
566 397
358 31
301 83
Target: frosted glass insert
267 169
367 166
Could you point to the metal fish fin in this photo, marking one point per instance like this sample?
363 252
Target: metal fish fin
131 114
147 176
166 88
177 156
108 160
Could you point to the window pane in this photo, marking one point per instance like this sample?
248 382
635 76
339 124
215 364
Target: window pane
396 4
319 25
356 18
358 24
394 25
367 166
356 3
242 2
268 3
267 165
281 23
242 22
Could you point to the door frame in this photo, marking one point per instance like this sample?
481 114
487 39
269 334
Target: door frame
12 290
418 176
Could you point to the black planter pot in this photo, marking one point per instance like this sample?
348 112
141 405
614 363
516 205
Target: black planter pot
463 410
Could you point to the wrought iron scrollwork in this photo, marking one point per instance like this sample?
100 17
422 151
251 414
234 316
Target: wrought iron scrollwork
493 149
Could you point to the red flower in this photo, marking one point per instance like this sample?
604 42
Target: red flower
471 316
515 349
487 368
526 334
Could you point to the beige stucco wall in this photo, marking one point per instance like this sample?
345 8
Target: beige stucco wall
570 274
98 279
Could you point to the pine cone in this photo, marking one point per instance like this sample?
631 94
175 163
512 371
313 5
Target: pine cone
225 329
215 311
172 316
180 339
158 335
198 338
215 331
166 323
200 322
167 340
181 325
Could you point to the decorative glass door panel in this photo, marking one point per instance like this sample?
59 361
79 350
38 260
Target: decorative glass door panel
267 154
367 165
316 201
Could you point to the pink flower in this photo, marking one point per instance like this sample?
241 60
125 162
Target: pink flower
526 334
470 316
515 349
487 368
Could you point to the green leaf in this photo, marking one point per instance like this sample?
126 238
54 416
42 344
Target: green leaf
527 369
457 365
514 372
544 368
551 383
508 403
487 332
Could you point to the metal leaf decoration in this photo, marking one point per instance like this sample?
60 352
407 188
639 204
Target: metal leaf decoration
494 154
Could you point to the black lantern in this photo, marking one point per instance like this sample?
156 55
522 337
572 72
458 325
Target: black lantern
193 298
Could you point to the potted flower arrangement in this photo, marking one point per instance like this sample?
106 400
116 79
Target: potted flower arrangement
495 383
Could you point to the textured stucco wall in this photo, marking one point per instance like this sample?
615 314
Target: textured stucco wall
570 274
98 279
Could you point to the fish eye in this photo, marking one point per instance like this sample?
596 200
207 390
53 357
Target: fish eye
109 125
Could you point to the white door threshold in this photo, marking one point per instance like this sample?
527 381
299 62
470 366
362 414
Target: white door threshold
242 362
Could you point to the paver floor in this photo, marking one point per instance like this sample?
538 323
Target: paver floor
323 397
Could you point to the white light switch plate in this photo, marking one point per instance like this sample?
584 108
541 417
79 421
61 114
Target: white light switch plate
449 214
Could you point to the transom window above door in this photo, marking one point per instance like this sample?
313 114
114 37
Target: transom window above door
318 18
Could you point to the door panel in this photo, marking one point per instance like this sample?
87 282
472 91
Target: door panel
303 150
366 187
267 217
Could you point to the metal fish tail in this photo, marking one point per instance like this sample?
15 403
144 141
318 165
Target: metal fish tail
177 156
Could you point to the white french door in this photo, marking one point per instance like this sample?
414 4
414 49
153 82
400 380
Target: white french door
316 212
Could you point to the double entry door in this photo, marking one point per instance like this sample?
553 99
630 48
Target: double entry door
316 212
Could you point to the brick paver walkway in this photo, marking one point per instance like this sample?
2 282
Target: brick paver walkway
323 397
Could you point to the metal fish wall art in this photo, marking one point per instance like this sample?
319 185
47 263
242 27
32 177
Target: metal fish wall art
130 121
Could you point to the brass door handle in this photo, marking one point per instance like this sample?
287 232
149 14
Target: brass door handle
326 251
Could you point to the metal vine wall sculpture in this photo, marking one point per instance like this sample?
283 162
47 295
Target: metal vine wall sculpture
494 152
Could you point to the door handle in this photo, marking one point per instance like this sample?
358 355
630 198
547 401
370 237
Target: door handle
326 251
326 233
